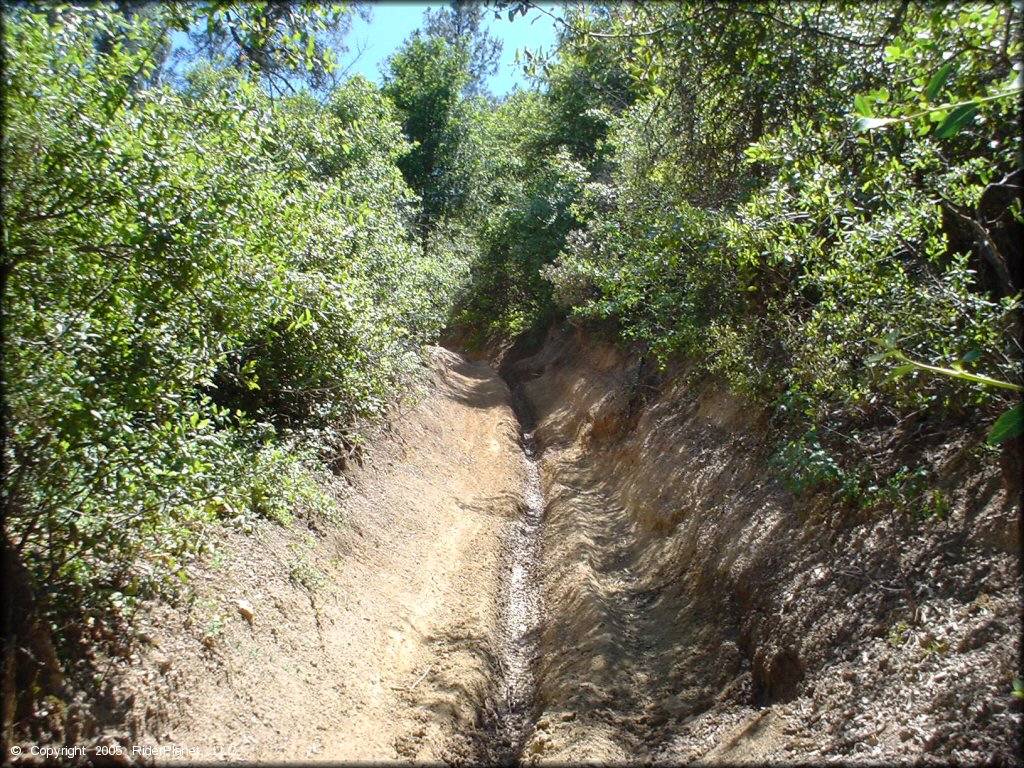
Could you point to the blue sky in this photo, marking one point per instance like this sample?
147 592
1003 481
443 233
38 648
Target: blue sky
393 22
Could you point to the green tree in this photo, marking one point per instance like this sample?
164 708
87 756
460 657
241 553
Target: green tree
425 80
462 25
278 42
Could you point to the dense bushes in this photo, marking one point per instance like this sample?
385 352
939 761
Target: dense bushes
538 150
868 215
195 278
845 241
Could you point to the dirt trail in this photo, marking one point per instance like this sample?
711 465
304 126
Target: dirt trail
664 600
696 610
394 653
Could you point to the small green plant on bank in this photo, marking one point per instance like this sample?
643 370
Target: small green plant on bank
220 559
808 467
301 571
935 647
213 630
899 634
938 504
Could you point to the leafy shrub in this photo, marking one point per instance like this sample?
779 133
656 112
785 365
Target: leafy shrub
193 275
847 239
780 265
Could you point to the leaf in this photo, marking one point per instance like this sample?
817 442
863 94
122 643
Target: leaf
891 339
938 80
971 356
901 370
1008 426
870 123
955 120
862 107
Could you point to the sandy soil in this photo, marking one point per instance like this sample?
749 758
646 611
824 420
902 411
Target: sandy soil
373 642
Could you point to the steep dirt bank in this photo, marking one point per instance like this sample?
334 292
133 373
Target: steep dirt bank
698 611
370 640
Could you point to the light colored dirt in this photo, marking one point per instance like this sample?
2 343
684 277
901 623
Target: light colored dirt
698 611
694 609
372 641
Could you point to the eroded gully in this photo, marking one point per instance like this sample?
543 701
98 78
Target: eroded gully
508 724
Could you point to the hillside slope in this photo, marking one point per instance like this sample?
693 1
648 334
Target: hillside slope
698 610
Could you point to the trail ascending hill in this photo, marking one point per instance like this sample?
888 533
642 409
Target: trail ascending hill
689 606
396 654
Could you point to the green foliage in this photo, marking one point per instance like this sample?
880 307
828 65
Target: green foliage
585 89
810 465
196 279
425 81
276 42
461 25
777 277
509 295
1008 426
536 151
